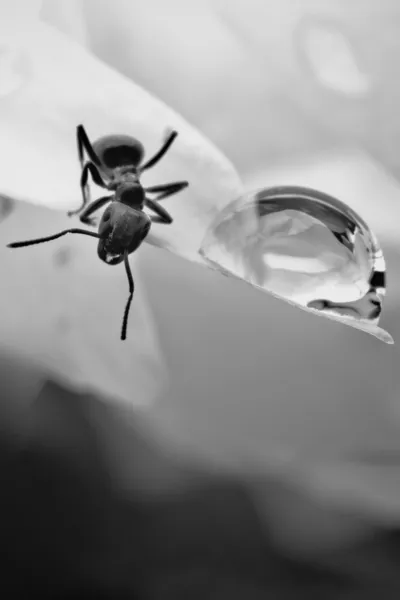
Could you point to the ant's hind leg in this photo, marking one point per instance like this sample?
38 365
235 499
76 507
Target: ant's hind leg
85 144
162 214
164 148
93 207
95 173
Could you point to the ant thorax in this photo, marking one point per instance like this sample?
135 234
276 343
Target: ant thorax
123 175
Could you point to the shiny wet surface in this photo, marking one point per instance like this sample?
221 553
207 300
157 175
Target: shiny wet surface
306 247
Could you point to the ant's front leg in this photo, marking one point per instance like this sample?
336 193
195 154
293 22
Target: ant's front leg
97 178
162 214
93 207
167 189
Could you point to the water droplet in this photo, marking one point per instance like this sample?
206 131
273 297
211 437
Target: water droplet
305 247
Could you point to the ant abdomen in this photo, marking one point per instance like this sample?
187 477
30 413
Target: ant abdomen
119 151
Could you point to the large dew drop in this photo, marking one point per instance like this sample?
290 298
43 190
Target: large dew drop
304 247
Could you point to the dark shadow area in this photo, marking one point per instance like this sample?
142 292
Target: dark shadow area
67 531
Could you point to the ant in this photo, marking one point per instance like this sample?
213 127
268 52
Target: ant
115 163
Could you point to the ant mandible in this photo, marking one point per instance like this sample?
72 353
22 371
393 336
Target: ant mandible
115 163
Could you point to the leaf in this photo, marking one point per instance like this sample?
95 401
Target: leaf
62 85
61 306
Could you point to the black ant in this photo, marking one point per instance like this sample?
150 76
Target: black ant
115 163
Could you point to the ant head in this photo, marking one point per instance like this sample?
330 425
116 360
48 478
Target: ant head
131 194
110 248
122 229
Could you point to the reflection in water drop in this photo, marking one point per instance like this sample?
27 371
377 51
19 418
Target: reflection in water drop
305 247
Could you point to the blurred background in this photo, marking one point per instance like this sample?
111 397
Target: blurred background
269 463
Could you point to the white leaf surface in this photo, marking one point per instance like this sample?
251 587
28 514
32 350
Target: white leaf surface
57 85
61 306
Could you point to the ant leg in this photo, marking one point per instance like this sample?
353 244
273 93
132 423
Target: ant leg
89 210
95 173
85 144
167 189
52 237
97 178
150 163
131 290
162 214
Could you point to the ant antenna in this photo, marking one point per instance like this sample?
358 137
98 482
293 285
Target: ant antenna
131 290
52 237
